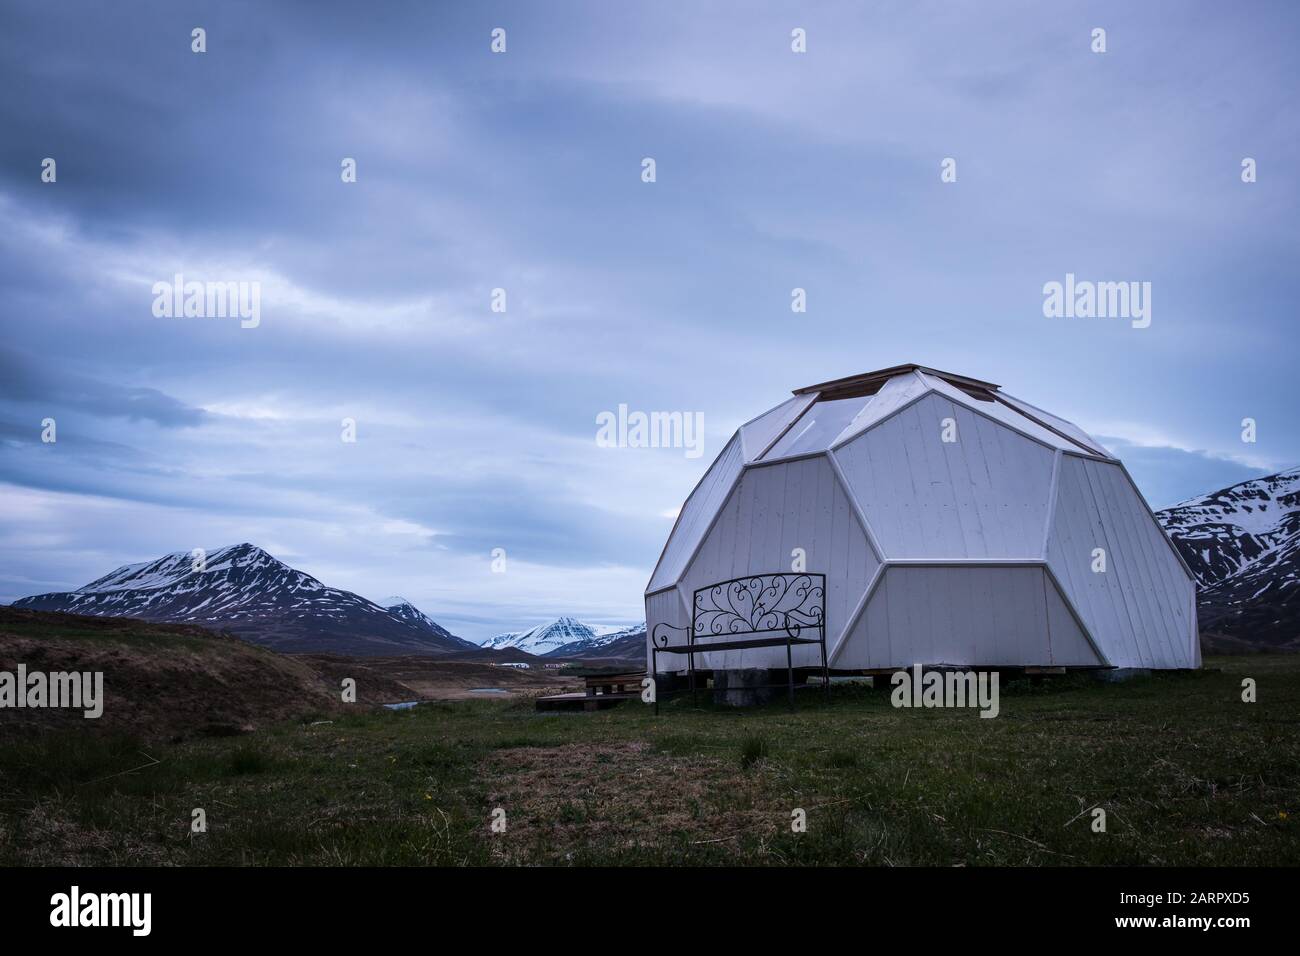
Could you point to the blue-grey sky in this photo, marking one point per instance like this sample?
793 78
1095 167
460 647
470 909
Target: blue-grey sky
522 171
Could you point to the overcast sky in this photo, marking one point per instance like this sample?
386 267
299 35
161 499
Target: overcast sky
522 171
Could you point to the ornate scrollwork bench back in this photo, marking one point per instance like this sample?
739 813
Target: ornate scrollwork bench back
782 606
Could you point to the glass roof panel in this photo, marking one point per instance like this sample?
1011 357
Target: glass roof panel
820 425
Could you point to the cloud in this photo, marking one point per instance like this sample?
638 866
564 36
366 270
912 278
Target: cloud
522 172
26 380
1168 475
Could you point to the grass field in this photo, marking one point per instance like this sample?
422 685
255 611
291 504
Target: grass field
1186 772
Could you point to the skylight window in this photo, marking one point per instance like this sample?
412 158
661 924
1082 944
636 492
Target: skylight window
820 425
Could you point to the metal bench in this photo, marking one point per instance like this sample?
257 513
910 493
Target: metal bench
757 610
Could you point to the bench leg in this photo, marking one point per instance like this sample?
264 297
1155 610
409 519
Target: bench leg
789 671
654 676
826 673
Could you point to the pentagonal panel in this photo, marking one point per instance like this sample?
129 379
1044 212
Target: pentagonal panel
1138 609
696 514
965 616
774 510
983 495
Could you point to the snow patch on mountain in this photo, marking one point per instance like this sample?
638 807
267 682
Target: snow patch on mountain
562 635
1224 533
543 637
174 568
621 642
247 591
1243 546
404 610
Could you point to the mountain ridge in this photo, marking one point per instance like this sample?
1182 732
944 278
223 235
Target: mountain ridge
1242 544
563 637
247 591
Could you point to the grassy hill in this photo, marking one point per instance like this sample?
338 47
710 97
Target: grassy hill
161 681
1187 774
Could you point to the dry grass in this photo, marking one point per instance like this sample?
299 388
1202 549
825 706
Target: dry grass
161 681
577 802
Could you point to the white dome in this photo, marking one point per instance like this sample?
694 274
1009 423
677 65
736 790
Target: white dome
954 524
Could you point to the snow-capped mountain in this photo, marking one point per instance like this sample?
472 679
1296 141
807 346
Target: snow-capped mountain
248 592
544 637
404 610
623 643
1243 545
562 637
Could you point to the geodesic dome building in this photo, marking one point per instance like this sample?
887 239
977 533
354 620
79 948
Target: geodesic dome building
953 525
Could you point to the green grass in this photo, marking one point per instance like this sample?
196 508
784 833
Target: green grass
752 750
1186 772
247 760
